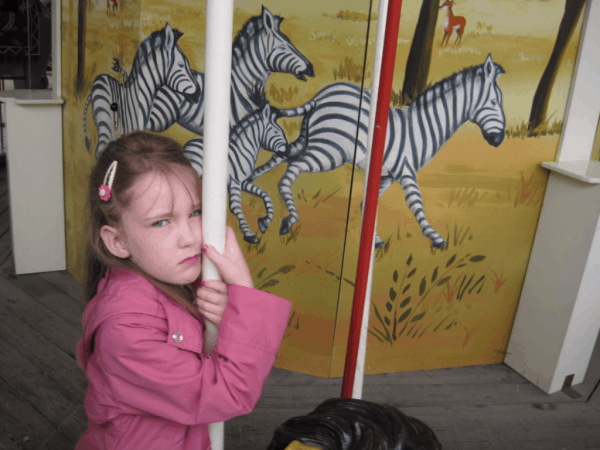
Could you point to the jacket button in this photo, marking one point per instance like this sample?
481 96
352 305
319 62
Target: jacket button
178 337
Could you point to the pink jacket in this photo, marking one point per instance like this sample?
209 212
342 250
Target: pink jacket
149 384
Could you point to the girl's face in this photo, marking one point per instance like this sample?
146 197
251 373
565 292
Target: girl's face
162 227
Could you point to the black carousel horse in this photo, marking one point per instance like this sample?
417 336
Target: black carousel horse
350 424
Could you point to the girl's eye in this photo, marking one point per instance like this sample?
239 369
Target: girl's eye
158 224
196 213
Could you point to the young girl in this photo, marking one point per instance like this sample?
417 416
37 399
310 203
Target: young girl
150 386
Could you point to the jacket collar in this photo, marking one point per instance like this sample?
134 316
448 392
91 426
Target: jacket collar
123 291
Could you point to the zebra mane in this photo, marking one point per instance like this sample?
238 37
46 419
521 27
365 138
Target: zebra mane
160 34
455 79
258 95
253 26
156 39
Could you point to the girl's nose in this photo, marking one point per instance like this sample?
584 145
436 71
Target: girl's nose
190 232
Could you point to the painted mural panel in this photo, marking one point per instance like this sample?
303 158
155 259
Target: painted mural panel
458 236
461 185
95 35
129 91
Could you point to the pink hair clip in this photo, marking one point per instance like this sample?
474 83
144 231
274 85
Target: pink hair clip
105 188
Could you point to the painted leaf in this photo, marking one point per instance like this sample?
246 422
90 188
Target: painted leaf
461 265
477 258
404 315
451 260
411 273
269 284
388 305
405 302
392 294
443 281
418 317
387 321
287 268
409 260
395 276
422 286
434 275
406 288
467 337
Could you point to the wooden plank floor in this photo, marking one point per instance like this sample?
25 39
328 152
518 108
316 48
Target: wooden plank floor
471 408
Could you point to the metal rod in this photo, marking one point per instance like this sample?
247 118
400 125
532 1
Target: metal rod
371 200
359 373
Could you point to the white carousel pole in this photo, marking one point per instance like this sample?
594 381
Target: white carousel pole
217 87
362 345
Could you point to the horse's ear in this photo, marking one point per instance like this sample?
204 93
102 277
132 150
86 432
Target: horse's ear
169 37
266 111
488 66
268 19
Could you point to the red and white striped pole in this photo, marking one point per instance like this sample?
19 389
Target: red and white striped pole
364 269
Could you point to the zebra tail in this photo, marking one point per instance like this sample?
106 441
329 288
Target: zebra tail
299 145
85 110
298 111
117 68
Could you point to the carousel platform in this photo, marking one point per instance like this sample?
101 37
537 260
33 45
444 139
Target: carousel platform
471 408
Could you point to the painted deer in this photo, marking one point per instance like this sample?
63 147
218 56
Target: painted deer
453 22
112 4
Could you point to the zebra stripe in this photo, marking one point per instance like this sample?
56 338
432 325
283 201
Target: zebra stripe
257 130
414 136
122 108
259 49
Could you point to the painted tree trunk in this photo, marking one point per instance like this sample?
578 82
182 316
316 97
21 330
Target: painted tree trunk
541 98
419 57
81 44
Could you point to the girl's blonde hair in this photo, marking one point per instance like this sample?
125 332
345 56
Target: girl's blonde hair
137 154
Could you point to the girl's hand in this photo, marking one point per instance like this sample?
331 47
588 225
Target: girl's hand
231 264
211 300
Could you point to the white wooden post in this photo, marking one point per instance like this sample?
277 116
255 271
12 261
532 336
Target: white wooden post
558 318
35 169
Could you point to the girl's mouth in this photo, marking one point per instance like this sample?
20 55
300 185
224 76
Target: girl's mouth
192 260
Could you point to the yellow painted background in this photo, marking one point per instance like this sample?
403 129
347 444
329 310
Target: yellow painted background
486 200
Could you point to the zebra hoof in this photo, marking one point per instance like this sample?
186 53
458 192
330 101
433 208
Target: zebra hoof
263 224
379 244
251 239
286 226
439 244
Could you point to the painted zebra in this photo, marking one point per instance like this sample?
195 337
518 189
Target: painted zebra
414 136
257 130
123 108
259 49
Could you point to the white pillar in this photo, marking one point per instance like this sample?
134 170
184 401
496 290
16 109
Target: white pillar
558 318
217 86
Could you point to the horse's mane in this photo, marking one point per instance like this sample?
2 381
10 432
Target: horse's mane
253 26
156 39
351 424
454 79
